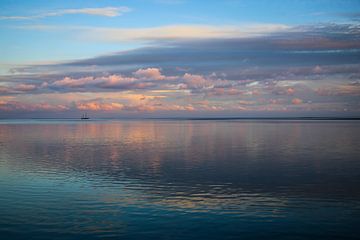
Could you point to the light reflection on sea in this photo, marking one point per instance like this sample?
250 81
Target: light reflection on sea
180 179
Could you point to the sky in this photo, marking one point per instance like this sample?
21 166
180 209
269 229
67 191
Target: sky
180 58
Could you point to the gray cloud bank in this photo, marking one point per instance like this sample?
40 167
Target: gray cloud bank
307 67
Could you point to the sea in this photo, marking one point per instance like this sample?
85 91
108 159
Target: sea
180 179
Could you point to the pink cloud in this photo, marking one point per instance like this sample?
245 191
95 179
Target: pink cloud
4 89
96 106
290 91
340 90
116 80
220 91
195 81
149 74
99 106
74 82
284 90
296 101
25 87
105 81
20 106
18 88
145 78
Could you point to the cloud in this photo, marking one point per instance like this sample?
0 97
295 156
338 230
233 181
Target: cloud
269 72
98 106
184 92
74 83
141 105
25 87
297 53
159 107
252 84
285 90
296 101
4 90
104 11
115 81
164 33
111 81
278 36
220 91
17 89
304 52
149 74
173 32
142 78
30 107
352 89
196 81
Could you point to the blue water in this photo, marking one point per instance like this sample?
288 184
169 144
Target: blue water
179 179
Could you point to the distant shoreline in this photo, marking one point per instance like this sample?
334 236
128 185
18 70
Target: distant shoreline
192 118
265 118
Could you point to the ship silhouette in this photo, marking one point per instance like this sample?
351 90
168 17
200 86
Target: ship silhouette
84 116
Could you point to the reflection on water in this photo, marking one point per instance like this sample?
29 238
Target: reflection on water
180 179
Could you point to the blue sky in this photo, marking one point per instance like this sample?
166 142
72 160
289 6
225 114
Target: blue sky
189 58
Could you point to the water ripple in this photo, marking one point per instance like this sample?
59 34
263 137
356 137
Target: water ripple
179 180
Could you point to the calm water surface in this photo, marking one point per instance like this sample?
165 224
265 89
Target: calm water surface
180 179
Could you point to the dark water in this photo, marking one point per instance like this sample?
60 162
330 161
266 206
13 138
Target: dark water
180 180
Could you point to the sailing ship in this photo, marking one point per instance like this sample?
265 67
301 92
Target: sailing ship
84 116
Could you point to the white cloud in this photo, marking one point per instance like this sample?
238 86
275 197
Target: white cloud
104 11
168 32
184 32
149 73
252 84
105 81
